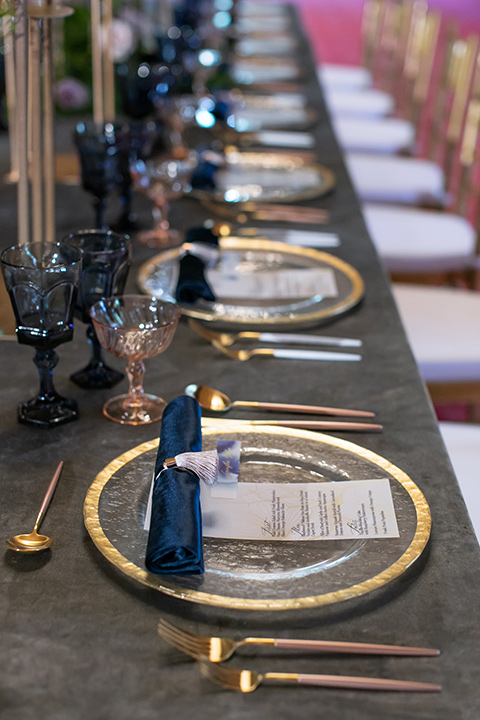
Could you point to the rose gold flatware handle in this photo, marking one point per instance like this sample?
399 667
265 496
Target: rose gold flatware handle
287 209
48 495
294 217
351 647
355 683
319 425
307 409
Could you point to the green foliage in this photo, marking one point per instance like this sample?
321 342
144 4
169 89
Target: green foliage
78 50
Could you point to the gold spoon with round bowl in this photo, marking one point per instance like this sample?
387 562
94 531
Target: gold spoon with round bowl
211 399
34 542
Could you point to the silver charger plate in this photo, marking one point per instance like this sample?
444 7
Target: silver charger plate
263 575
158 277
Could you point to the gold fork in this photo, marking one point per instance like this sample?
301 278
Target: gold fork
285 353
227 339
217 649
247 681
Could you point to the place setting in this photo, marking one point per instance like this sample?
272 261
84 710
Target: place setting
291 463
252 282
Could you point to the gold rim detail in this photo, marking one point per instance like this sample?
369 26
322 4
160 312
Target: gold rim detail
158 582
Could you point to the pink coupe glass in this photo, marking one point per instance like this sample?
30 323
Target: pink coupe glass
135 327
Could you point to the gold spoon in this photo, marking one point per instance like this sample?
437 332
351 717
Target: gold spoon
34 541
216 401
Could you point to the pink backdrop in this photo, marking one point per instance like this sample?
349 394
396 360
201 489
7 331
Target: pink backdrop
333 25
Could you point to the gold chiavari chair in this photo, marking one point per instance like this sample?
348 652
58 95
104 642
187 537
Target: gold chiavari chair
419 181
408 69
414 243
358 77
442 322
385 31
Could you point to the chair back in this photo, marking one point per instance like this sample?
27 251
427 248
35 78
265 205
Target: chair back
463 70
469 182
372 18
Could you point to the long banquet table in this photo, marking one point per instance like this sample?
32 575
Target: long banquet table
79 639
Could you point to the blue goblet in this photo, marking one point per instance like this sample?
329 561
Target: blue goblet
106 262
135 141
42 282
98 150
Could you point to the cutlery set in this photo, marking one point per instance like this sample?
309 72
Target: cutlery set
209 652
300 238
268 211
216 401
224 341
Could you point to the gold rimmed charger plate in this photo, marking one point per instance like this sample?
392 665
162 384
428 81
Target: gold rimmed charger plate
257 575
158 277
306 120
285 163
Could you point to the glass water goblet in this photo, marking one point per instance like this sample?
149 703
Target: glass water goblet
98 150
135 327
161 180
106 262
136 140
42 281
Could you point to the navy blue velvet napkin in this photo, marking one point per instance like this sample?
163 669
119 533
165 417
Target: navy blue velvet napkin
203 177
192 284
175 543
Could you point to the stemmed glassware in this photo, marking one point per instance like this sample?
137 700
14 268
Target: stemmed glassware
136 327
106 261
98 150
42 281
162 179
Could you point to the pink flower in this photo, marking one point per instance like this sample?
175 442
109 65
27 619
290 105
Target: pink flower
71 94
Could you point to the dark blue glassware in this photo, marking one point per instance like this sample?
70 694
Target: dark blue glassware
135 141
106 262
42 282
97 146
137 90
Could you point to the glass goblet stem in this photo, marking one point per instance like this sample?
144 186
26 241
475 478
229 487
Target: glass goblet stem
48 408
160 214
46 361
97 357
100 205
97 374
135 374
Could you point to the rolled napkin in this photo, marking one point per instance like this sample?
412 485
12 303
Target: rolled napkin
175 543
203 177
192 284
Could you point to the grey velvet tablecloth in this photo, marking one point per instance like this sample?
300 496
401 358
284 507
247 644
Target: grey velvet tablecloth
78 639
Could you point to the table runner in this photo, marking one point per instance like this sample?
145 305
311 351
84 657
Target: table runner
79 640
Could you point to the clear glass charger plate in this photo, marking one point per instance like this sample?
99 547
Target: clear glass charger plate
262 575
265 69
275 24
251 119
273 177
281 45
158 277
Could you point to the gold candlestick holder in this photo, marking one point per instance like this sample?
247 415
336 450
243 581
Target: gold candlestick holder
41 114
103 77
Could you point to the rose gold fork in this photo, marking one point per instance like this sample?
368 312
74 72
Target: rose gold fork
217 649
247 681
